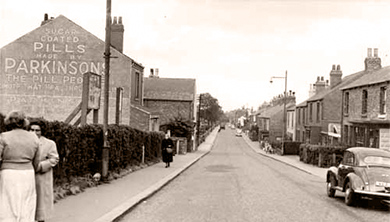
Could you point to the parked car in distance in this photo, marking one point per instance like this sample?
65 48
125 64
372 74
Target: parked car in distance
239 132
363 172
222 125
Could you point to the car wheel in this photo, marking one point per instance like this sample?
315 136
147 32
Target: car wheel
350 195
330 187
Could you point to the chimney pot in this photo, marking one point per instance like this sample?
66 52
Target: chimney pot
156 71
115 20
375 52
45 17
333 67
369 52
120 20
322 78
338 67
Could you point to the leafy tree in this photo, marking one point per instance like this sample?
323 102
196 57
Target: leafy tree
210 110
179 127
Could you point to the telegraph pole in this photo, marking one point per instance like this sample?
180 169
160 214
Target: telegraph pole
198 123
107 54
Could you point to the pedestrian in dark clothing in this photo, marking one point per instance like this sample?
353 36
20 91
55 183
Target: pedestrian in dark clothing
167 146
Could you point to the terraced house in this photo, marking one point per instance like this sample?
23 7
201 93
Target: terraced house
319 117
365 113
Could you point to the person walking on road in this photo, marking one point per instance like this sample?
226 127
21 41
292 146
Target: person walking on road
48 158
167 150
18 163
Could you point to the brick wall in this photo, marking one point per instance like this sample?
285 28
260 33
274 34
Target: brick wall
355 102
171 109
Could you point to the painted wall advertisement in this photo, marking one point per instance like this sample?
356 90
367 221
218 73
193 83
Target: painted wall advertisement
42 72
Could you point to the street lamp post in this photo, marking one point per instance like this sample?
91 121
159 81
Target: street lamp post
284 106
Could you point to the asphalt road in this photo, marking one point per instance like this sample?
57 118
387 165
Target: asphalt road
233 183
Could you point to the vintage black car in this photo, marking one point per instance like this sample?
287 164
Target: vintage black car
363 172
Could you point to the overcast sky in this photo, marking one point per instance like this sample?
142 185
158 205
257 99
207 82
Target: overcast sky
231 47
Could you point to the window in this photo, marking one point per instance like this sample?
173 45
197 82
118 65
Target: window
346 103
348 159
382 100
310 112
137 79
364 101
318 111
304 116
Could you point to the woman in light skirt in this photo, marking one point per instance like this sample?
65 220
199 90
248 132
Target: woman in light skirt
18 162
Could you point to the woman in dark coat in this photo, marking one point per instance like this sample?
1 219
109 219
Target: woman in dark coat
166 156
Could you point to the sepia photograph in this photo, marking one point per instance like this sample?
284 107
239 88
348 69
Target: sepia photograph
194 110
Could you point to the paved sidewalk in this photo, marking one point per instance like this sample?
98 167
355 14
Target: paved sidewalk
108 202
292 160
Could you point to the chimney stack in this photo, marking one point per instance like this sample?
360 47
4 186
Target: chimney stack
117 32
372 62
319 85
335 76
46 19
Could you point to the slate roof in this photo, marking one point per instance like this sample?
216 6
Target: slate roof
179 89
374 77
345 81
270 111
302 104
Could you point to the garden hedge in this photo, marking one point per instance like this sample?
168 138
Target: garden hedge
80 148
321 155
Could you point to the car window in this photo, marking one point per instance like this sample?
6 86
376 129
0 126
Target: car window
376 160
348 159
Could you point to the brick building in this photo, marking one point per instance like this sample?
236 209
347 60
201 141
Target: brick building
291 122
41 72
365 113
171 97
318 118
301 121
270 118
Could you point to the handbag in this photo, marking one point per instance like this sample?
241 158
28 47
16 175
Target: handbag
169 150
